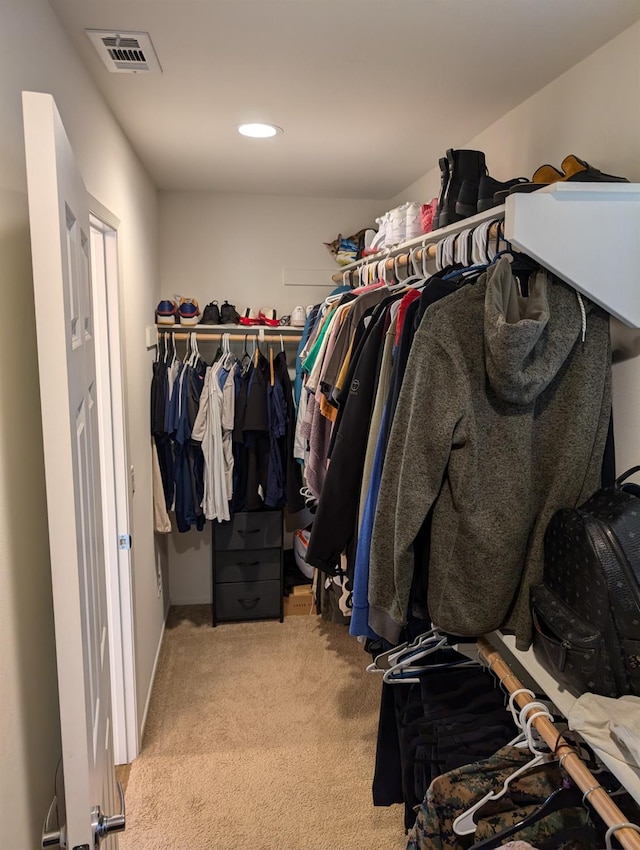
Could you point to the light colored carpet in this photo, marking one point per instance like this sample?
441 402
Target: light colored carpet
260 736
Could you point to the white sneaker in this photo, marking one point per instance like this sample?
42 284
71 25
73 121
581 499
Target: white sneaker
298 317
413 227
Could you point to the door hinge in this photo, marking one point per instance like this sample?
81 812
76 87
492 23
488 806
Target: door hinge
124 541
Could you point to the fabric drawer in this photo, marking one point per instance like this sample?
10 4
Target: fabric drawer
250 600
255 565
259 530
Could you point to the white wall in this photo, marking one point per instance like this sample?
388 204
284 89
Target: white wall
592 111
240 247
35 54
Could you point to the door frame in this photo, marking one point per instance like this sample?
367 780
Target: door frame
106 278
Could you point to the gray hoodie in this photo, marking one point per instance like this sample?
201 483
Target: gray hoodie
502 420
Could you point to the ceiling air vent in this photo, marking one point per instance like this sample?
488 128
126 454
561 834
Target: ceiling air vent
125 52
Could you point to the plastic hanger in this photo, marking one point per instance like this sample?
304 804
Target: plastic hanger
465 823
413 675
417 278
387 659
381 662
563 798
402 669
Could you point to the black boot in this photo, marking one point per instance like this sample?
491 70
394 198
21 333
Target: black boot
463 165
444 181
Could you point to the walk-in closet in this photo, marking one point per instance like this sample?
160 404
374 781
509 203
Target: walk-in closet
320 491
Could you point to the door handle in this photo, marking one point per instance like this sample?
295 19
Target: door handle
53 837
104 825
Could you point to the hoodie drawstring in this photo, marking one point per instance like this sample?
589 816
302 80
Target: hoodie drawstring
583 313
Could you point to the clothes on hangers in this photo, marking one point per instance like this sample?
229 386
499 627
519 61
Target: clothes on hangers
223 436
453 792
452 717
504 420
209 431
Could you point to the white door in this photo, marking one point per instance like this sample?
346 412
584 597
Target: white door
59 217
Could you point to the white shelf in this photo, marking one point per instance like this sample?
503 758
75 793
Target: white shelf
527 667
588 234
494 214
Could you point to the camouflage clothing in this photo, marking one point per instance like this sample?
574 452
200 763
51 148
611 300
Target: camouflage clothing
452 793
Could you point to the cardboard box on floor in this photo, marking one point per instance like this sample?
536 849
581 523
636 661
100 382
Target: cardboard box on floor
299 601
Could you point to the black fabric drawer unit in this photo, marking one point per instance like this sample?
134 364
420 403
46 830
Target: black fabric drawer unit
247 600
249 565
259 530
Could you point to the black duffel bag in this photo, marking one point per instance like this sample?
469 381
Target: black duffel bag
586 615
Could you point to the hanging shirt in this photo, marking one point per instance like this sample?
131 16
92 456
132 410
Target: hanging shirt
207 430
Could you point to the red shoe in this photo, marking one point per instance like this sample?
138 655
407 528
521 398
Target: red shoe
248 318
268 317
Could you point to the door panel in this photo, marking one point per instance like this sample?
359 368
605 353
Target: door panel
58 209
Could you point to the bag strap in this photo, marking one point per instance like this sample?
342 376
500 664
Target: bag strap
626 475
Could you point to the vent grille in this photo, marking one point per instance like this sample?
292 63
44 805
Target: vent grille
125 52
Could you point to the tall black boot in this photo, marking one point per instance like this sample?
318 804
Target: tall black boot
444 181
462 165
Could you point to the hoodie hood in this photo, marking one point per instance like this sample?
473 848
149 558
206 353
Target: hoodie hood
527 340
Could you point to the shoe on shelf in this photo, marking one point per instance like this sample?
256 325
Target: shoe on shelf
228 314
211 314
298 317
444 182
487 189
579 171
166 312
249 318
462 165
574 170
189 311
268 316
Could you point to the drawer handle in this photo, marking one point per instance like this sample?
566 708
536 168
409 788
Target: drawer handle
249 603
247 563
248 531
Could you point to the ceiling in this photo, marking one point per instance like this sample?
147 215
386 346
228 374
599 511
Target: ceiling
369 92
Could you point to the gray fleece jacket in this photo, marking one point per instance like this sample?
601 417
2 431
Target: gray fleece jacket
502 420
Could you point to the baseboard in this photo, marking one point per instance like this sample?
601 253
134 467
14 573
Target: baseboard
190 601
153 678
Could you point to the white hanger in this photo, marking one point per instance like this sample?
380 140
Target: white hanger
389 658
416 279
424 260
465 823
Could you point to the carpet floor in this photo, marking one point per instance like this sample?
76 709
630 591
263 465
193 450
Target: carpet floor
259 736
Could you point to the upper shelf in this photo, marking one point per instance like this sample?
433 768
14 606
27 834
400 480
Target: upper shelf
588 234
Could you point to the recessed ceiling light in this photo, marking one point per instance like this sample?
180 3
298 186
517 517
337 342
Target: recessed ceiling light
259 131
